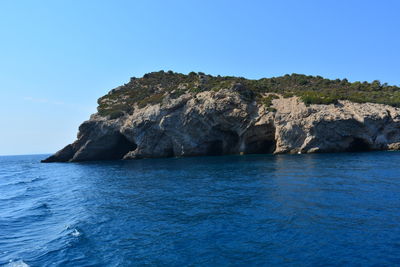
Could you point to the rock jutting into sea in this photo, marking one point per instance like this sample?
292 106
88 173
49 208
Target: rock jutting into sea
166 114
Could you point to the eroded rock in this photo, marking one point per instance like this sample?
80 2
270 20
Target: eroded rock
230 122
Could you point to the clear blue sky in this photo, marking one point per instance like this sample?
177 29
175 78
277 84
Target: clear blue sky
58 57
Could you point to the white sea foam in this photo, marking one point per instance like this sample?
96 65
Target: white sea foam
18 263
76 233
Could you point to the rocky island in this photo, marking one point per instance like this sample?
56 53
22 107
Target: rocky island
168 114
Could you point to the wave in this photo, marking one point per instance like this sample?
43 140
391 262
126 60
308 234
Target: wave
73 231
28 181
18 263
41 206
76 233
22 182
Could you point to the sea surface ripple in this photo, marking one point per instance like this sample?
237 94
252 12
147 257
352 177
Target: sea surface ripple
255 210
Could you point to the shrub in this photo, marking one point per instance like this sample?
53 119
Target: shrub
317 98
152 87
153 99
115 114
267 101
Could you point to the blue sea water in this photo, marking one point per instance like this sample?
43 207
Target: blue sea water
256 210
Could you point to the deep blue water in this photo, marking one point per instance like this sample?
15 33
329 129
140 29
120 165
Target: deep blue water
285 210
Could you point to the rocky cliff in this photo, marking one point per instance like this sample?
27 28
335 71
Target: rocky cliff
161 119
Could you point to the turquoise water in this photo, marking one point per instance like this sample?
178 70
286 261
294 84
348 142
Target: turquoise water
285 210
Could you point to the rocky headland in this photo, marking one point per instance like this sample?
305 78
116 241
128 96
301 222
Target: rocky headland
166 114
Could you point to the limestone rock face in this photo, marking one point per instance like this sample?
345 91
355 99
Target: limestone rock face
227 122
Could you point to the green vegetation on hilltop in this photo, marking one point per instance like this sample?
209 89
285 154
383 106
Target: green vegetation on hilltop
267 101
152 88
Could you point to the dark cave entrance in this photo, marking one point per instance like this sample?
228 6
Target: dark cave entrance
230 143
259 139
266 146
226 143
169 152
215 148
119 146
358 145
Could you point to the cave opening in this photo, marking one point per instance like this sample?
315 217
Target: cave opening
223 142
169 152
265 146
358 145
215 148
259 139
230 142
119 147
